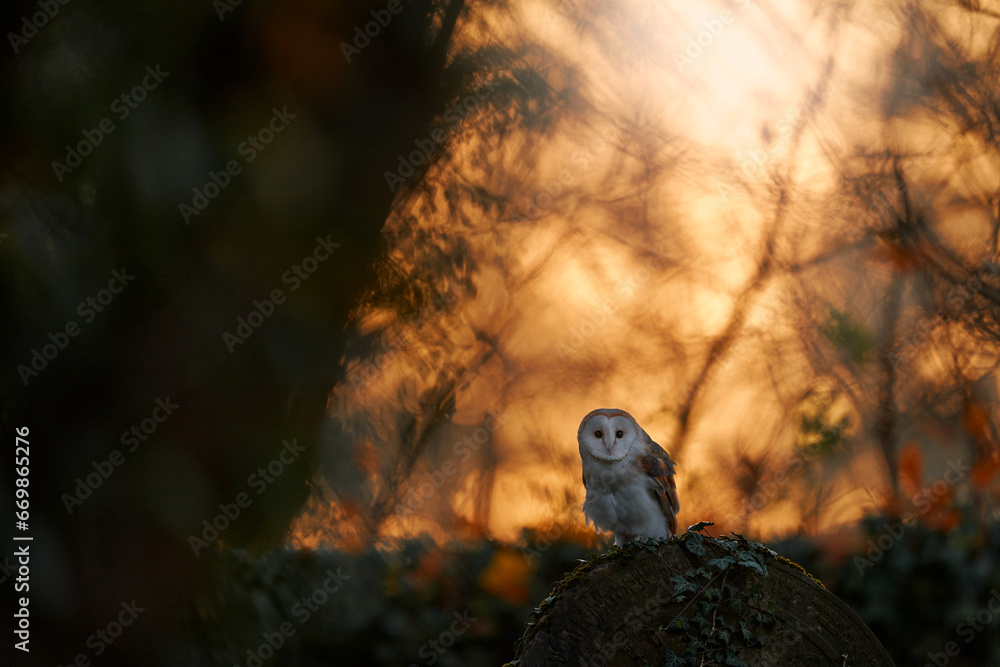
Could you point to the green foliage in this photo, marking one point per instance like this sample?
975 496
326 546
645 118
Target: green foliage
919 590
713 634
391 611
849 335
820 432
914 596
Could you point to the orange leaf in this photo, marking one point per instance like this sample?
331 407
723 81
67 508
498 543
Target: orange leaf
945 518
507 576
911 468
902 259
430 565
977 422
984 471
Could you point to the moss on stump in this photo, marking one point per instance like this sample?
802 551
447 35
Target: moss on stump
695 600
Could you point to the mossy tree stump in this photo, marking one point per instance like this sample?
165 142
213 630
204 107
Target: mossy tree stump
695 600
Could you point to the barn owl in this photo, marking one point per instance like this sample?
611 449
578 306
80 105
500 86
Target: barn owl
628 477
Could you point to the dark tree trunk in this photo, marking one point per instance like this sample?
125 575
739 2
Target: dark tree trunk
162 338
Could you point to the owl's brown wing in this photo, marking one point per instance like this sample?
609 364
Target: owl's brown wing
658 465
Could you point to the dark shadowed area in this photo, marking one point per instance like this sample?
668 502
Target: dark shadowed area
302 305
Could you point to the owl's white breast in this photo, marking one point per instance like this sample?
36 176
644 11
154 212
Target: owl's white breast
619 498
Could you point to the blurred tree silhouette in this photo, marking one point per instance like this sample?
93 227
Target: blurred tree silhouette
536 209
116 203
870 282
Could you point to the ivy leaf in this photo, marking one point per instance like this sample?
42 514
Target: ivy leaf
749 560
701 525
695 544
738 605
722 563
674 660
682 584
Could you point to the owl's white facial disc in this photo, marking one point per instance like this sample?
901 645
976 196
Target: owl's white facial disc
608 437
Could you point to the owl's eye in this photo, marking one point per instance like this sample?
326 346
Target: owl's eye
598 434
619 433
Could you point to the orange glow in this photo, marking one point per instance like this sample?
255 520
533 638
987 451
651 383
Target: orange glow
716 132
506 576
